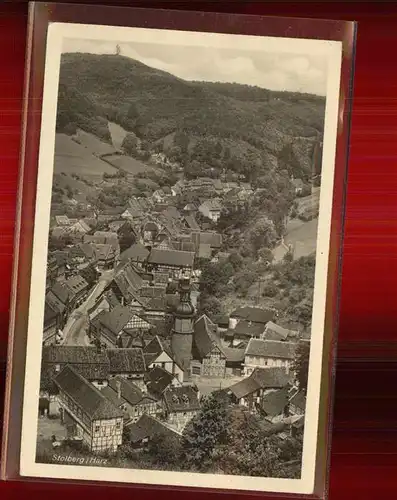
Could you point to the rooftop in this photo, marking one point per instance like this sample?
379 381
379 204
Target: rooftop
254 314
116 319
175 258
89 399
126 360
181 399
146 428
271 349
157 380
86 360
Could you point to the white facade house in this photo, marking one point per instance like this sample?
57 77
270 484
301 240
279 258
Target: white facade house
268 354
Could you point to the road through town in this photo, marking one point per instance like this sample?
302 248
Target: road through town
75 329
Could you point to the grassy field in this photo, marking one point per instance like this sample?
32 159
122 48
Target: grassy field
93 144
118 134
80 189
128 164
309 205
302 236
73 158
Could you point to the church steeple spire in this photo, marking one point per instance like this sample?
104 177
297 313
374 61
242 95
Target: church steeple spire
182 332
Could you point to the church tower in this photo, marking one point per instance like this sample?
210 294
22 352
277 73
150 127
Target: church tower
182 331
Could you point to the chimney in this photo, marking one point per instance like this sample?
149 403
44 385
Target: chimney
118 387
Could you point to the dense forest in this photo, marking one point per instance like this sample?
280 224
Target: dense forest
206 127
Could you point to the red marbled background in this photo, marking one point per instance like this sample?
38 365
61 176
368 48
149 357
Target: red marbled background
364 452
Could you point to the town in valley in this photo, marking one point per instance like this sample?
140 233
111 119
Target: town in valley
179 285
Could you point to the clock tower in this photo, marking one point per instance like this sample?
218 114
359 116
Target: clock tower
182 331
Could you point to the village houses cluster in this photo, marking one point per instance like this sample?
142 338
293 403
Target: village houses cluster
139 366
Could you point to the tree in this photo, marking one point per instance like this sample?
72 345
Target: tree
236 260
165 450
126 238
130 144
205 432
250 450
209 305
263 234
215 277
300 364
266 255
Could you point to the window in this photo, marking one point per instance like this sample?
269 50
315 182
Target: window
118 425
97 428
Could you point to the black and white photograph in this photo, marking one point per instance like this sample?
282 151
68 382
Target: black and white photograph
180 258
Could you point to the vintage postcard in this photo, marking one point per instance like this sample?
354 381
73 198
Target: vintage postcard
180 258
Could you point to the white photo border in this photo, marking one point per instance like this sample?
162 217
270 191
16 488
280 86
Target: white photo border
332 50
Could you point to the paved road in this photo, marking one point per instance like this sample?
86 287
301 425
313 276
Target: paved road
75 329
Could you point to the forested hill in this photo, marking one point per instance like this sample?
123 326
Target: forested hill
246 129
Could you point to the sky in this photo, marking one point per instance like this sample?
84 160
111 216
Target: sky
274 71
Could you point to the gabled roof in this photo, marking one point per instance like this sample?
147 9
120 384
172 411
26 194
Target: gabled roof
190 207
108 235
85 249
204 251
49 314
130 392
299 400
61 292
54 302
276 332
113 211
87 397
116 319
152 291
261 378
116 225
254 314
62 220
81 225
156 304
61 256
243 388
171 258
274 403
181 399
133 278
146 428
126 360
154 348
104 251
76 284
150 226
271 349
136 252
246 328
191 222
86 360
234 355
212 204
157 380
204 337
207 238
271 378
172 212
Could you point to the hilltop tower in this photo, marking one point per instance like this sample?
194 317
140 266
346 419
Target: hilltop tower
182 331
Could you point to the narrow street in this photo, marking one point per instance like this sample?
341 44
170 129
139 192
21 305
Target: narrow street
75 329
